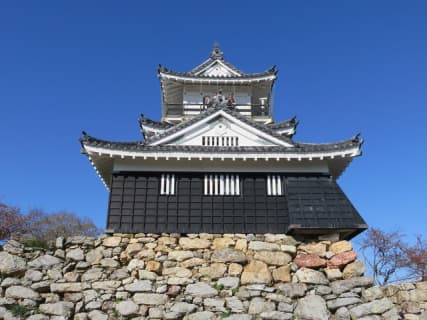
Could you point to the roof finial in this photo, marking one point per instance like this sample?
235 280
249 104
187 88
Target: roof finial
216 51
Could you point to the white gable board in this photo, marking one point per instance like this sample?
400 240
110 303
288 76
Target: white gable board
221 129
218 69
228 134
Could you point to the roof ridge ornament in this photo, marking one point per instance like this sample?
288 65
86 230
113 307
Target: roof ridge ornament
216 53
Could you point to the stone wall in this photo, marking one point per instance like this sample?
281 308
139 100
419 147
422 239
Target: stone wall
197 277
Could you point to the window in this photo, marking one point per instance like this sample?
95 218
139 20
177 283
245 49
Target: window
220 141
274 185
221 185
167 184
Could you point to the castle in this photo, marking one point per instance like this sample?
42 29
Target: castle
217 162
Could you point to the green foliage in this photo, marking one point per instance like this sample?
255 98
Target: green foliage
235 290
20 311
218 286
116 314
226 313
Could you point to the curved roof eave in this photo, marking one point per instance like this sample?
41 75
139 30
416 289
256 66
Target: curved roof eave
102 154
152 125
269 75
139 148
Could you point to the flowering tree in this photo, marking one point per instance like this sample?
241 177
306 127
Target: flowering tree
390 259
383 253
48 227
416 259
43 227
12 222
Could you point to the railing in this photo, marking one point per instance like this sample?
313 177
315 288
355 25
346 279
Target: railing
260 110
256 109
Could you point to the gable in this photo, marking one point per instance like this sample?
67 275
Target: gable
218 69
224 133
221 129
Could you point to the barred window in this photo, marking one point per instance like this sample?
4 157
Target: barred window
167 184
274 185
223 141
221 185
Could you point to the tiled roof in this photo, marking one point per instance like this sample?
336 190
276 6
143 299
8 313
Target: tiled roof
302 148
144 121
291 123
146 145
271 71
210 111
216 55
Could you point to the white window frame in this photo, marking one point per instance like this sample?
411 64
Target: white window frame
274 185
221 185
220 141
167 184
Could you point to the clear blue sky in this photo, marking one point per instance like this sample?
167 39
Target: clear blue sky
344 67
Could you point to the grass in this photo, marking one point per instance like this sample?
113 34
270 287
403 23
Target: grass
20 311
36 243
218 286
116 314
226 313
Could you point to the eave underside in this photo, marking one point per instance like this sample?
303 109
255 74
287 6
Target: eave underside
103 163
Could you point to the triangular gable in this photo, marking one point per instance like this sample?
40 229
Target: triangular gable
221 124
217 69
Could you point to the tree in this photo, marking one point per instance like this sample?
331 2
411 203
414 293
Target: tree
39 228
12 222
391 259
48 227
384 254
416 260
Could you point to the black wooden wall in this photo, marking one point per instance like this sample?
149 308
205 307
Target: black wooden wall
137 206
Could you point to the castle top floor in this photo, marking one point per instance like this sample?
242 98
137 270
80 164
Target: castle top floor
216 82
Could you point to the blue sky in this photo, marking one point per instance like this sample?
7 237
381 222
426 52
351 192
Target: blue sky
344 67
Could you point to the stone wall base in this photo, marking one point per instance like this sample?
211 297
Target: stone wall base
197 277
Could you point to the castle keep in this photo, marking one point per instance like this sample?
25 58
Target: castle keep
217 162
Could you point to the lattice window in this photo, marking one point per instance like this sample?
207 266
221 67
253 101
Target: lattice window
274 185
221 185
167 184
220 141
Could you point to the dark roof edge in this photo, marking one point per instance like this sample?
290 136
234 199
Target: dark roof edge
213 110
147 122
286 124
143 147
88 139
355 141
346 233
272 71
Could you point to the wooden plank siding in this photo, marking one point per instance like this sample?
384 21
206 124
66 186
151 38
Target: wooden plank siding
136 205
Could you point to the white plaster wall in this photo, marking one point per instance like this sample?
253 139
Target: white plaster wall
206 165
